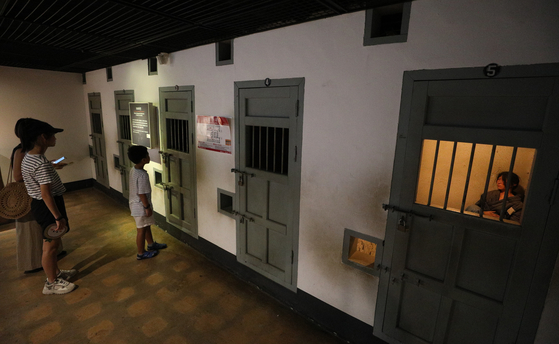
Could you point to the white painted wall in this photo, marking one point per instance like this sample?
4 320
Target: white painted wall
352 101
55 98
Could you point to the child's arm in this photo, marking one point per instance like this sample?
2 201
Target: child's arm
46 194
145 203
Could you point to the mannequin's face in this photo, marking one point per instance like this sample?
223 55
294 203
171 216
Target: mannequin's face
501 185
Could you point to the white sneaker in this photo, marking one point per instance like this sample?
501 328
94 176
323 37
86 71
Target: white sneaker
66 274
59 286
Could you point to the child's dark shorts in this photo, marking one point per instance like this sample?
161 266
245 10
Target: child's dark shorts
43 215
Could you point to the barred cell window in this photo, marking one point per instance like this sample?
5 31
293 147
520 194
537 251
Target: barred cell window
456 176
96 123
177 135
124 127
267 148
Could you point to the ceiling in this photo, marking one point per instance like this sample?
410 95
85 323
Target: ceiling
84 35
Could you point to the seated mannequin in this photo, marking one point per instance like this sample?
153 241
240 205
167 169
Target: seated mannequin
492 203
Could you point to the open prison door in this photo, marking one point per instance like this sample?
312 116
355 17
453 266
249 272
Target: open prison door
97 135
122 99
268 172
453 274
177 125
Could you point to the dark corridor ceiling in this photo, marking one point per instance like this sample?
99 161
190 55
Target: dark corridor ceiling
84 35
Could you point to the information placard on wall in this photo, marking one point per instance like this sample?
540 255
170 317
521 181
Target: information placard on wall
214 133
143 124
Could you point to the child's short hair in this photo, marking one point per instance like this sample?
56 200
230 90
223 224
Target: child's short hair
137 153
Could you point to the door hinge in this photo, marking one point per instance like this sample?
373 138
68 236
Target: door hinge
194 212
292 255
191 106
297 109
295 153
192 135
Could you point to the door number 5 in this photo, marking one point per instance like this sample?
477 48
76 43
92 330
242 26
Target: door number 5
491 70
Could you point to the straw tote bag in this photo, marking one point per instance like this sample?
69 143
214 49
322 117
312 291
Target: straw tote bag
14 200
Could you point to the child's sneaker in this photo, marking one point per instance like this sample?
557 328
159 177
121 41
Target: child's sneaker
156 246
66 274
59 286
147 254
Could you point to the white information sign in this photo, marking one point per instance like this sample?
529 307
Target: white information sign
213 133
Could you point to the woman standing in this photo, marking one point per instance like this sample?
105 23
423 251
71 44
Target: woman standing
45 187
29 241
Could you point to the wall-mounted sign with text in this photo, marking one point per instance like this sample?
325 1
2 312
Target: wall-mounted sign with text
143 124
214 133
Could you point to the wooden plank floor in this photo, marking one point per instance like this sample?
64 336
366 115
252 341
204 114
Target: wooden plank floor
177 297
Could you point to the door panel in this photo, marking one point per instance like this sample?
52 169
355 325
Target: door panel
179 158
268 173
455 276
471 325
429 248
485 257
98 139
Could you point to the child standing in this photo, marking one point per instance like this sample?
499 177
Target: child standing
140 203
45 188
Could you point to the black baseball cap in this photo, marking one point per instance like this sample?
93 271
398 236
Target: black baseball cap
37 127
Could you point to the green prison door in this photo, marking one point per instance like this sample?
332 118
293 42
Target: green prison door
99 153
268 173
122 99
177 126
452 275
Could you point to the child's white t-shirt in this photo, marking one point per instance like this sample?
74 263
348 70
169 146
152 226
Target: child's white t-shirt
139 185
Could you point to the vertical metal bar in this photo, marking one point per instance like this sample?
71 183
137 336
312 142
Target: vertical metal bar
450 175
177 133
181 133
433 174
282 148
253 149
487 179
472 153
172 134
184 135
508 184
169 133
267 147
260 148
275 150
